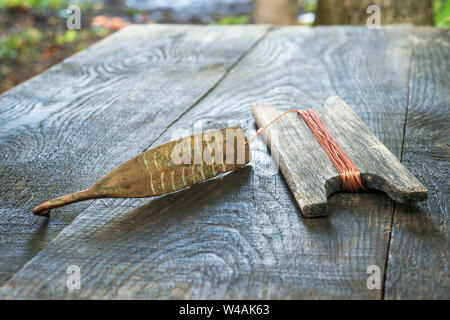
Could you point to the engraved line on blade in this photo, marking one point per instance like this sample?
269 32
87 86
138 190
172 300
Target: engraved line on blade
149 171
210 154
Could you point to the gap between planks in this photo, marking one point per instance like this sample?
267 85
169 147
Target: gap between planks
226 73
408 88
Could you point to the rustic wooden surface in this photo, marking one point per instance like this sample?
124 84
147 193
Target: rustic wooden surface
63 130
242 235
308 171
418 263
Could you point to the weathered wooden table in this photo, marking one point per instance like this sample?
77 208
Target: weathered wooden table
241 236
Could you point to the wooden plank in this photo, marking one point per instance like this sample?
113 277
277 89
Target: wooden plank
307 169
418 255
243 236
63 130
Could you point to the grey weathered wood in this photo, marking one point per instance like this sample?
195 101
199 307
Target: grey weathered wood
418 265
243 236
308 171
63 130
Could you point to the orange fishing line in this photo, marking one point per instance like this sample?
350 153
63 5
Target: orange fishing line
350 175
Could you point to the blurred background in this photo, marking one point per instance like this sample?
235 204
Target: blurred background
34 36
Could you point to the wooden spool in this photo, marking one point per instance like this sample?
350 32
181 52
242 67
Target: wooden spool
308 171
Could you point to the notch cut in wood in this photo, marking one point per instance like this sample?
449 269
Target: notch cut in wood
308 171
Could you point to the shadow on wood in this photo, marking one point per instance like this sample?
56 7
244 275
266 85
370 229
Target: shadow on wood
166 211
408 215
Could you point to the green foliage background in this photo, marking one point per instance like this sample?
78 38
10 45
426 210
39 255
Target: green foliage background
441 10
27 48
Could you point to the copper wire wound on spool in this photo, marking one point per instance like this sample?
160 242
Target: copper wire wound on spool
349 172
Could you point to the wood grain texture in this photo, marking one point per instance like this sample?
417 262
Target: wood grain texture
418 265
308 171
63 130
243 236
